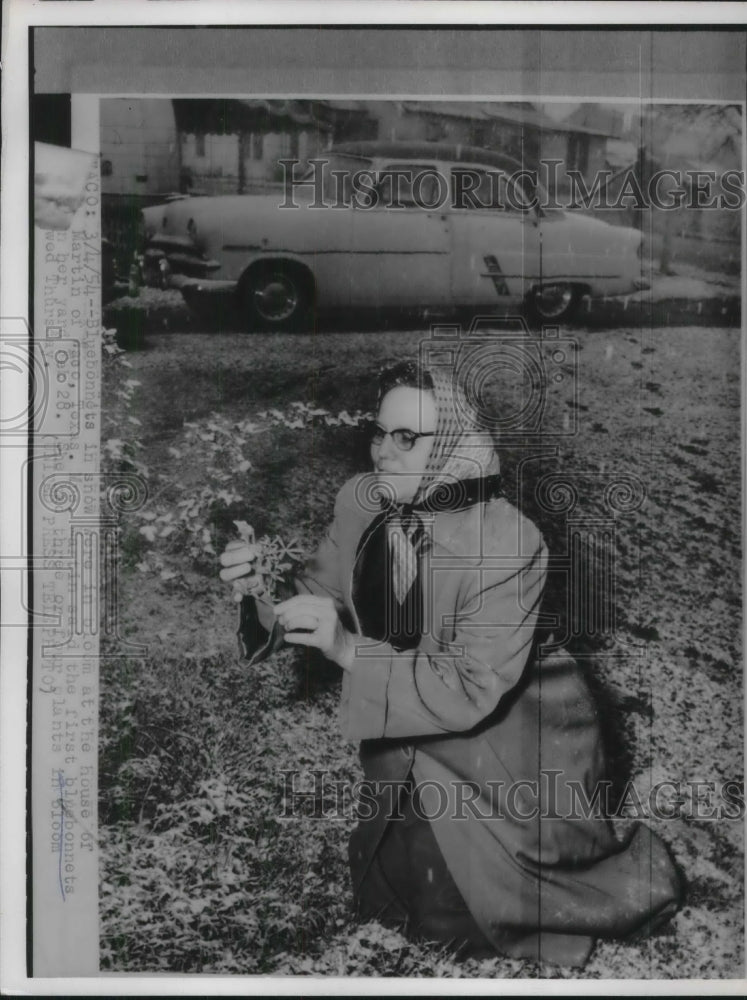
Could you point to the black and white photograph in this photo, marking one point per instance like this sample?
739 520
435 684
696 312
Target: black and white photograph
397 564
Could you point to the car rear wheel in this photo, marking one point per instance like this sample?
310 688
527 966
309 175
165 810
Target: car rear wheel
552 303
276 297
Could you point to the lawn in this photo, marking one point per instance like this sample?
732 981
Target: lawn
200 869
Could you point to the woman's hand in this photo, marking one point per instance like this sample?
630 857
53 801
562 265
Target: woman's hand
238 558
324 630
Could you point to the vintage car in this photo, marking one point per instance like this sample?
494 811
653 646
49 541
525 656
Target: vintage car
392 224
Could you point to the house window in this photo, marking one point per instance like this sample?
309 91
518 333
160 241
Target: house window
479 136
435 130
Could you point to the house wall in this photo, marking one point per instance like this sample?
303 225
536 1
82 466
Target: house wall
397 123
514 140
139 148
213 160
263 150
554 146
394 123
576 151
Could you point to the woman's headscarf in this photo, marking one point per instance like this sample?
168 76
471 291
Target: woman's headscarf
463 449
463 470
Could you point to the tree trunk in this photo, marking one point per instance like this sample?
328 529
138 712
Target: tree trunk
665 258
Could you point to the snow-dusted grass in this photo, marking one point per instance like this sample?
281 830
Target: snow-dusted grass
200 870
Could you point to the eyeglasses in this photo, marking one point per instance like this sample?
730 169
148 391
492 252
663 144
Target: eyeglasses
403 438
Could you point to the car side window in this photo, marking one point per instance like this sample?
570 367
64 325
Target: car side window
411 185
340 175
488 190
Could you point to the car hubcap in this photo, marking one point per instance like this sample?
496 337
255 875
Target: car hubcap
276 298
553 300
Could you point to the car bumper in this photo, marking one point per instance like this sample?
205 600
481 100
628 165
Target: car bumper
195 286
164 266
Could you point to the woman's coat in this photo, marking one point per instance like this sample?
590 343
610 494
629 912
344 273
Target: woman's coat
500 735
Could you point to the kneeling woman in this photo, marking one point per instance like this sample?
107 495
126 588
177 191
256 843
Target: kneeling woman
482 751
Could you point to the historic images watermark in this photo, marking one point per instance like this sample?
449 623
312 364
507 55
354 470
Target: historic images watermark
319 794
322 184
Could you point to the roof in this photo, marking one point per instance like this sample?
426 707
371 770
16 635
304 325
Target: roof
449 109
220 117
443 151
518 113
572 127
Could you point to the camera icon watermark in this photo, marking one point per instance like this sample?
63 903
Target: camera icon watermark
501 390
41 384
508 374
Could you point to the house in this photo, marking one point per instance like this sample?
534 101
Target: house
581 143
139 147
508 127
232 146
215 146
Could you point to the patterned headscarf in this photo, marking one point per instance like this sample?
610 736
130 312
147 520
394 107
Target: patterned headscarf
462 448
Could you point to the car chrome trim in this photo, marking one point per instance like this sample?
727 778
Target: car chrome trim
348 253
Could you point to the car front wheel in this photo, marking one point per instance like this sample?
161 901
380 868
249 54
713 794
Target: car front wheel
276 298
552 303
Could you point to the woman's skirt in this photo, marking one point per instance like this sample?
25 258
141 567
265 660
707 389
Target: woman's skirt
408 886
536 875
